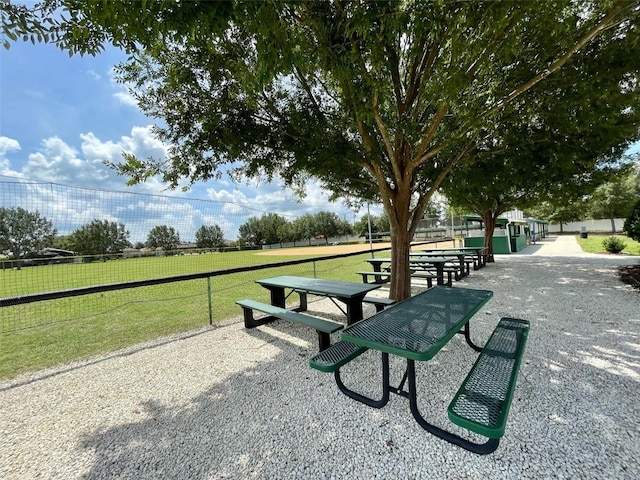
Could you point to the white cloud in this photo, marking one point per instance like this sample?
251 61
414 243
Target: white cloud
7 145
93 74
95 191
58 162
122 91
125 98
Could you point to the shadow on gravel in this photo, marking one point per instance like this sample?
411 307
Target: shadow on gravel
575 407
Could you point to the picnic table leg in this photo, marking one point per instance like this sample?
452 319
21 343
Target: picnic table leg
480 448
463 272
467 337
362 398
303 301
277 296
354 309
439 273
377 267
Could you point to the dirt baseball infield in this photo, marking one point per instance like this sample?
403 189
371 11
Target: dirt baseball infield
333 249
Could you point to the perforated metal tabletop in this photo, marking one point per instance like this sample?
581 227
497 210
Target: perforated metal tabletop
418 327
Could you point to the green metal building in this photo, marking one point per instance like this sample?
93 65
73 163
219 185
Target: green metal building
509 235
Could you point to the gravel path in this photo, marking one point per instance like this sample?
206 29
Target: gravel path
225 402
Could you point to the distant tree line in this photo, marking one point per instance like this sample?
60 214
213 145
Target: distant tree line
272 229
23 234
616 198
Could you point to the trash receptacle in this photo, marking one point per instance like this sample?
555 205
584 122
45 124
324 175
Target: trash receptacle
583 232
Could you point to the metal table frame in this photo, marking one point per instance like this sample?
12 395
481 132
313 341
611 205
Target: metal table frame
438 263
387 342
477 250
349 293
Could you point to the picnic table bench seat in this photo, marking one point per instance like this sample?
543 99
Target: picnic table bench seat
324 327
430 273
482 402
380 277
334 357
385 276
428 276
379 302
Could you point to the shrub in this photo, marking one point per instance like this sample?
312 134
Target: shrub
613 244
632 223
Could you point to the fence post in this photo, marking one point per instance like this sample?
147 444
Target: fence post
209 297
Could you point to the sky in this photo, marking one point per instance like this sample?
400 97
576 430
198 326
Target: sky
62 117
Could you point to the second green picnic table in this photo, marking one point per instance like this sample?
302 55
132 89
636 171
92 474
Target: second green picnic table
350 293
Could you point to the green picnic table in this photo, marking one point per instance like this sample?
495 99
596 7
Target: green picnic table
352 294
477 252
416 329
436 263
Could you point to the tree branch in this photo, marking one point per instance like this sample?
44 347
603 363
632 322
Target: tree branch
607 21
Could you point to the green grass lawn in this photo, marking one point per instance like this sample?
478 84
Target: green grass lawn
593 244
79 327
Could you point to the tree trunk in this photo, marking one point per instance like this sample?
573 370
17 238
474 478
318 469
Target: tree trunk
489 227
613 225
401 278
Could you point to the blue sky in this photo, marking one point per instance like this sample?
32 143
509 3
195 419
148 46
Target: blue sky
61 117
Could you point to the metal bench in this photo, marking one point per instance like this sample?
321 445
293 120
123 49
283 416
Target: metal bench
482 402
334 357
379 302
341 353
429 277
324 327
379 277
431 273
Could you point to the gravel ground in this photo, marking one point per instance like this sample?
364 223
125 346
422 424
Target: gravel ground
225 402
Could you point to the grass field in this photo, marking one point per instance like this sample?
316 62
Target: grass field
593 244
79 327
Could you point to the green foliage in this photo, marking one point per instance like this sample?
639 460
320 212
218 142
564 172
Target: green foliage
100 237
327 224
23 232
378 100
378 224
571 211
613 244
271 228
163 236
632 223
209 237
615 199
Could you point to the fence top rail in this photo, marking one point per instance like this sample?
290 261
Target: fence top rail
74 292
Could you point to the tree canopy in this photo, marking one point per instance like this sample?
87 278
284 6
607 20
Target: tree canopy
209 236
378 100
631 225
100 237
616 198
23 232
163 236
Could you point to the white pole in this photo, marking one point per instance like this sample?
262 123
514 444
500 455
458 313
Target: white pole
369 225
453 231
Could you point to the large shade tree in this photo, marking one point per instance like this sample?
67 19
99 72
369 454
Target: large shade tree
615 198
23 232
379 100
100 237
164 237
552 146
